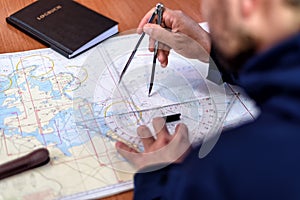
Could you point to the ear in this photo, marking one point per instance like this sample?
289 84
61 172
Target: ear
248 7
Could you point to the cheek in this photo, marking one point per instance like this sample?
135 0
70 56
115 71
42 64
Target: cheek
215 17
204 12
223 27
218 28
206 9
221 33
223 39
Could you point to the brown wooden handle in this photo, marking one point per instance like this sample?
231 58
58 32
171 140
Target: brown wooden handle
32 160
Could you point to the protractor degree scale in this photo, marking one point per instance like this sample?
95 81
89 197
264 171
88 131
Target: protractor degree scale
199 115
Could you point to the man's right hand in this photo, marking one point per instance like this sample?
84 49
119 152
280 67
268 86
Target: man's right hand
178 32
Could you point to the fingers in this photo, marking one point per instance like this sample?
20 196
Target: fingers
162 54
144 21
130 154
124 148
163 57
127 152
182 130
165 149
156 32
164 48
160 128
166 14
146 136
181 144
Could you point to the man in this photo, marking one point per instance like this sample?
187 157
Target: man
260 41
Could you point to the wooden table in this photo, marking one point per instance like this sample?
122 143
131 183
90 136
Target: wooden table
127 12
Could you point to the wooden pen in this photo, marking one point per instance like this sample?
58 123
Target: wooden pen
32 160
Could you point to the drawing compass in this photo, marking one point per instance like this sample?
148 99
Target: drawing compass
157 12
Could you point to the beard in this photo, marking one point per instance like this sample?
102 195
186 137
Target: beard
245 50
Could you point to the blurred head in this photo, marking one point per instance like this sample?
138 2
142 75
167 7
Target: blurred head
242 28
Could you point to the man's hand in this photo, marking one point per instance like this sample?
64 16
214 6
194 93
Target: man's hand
164 149
178 32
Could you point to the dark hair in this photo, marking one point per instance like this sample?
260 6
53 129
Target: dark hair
293 2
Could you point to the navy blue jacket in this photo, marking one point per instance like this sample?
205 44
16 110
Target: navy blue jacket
259 160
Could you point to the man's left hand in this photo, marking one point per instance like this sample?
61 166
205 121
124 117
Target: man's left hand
162 149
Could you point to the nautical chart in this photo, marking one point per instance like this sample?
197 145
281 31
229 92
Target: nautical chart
77 110
179 88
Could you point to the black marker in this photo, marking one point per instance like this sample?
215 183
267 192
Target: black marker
172 118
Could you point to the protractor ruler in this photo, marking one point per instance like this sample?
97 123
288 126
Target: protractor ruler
201 116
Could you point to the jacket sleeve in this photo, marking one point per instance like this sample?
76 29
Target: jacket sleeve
151 183
193 179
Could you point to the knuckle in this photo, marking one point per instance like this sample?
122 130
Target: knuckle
178 12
